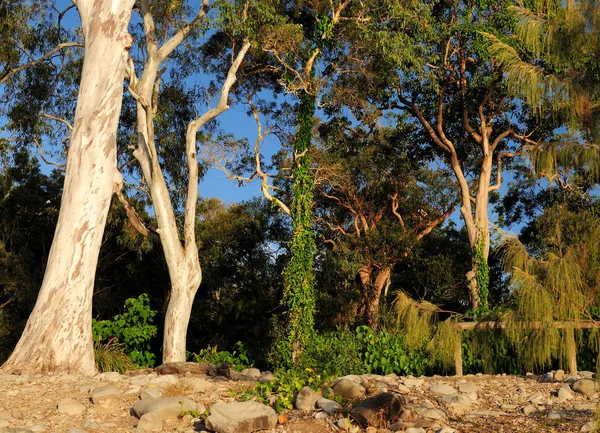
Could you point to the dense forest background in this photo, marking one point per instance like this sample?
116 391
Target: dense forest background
453 178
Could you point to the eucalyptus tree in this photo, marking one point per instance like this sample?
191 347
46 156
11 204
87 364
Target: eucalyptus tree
436 68
58 334
376 201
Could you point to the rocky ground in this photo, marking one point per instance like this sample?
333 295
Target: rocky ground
110 402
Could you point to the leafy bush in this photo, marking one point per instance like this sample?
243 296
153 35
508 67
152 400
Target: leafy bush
334 354
238 359
384 353
281 392
133 330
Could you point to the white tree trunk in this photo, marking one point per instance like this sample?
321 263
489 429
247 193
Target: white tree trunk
58 334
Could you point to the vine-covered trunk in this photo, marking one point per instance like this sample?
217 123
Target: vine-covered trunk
298 295
478 229
58 334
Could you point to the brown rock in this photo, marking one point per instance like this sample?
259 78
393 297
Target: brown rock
377 411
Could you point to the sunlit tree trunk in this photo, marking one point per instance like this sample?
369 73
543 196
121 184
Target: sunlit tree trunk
58 334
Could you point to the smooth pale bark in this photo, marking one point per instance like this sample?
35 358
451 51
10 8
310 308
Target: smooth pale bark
58 334
182 257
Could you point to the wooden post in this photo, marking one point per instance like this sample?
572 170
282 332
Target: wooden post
571 349
458 367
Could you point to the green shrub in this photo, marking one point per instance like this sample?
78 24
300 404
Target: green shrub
333 354
281 392
238 359
385 353
133 330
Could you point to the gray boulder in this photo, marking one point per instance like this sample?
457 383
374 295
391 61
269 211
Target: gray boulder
586 387
443 389
241 417
168 407
348 389
69 406
103 393
306 400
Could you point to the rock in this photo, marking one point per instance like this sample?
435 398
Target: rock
250 373
91 424
508 406
267 376
559 375
348 389
76 430
446 429
151 421
38 428
197 384
536 398
103 393
588 427
165 380
306 400
415 430
198 368
459 408
528 410
150 393
412 382
429 412
376 411
443 389
550 375
586 406
320 415
328 406
241 417
586 387
556 414
402 389
565 393
467 387
402 426
455 398
586 374
109 376
168 407
71 407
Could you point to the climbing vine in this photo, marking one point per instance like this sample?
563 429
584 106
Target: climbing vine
298 295
482 276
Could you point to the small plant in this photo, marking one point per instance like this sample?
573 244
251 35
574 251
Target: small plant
281 392
133 330
238 359
110 356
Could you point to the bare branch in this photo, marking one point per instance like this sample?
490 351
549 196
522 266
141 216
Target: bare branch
45 57
61 167
178 37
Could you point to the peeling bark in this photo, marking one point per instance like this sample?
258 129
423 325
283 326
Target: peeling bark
58 334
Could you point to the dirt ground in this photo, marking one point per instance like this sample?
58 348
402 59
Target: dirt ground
30 402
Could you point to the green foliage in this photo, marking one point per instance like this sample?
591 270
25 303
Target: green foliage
298 294
238 359
482 276
111 356
333 354
133 329
281 392
385 353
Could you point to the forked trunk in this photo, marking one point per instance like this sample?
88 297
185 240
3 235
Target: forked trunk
184 287
371 292
58 334
375 297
